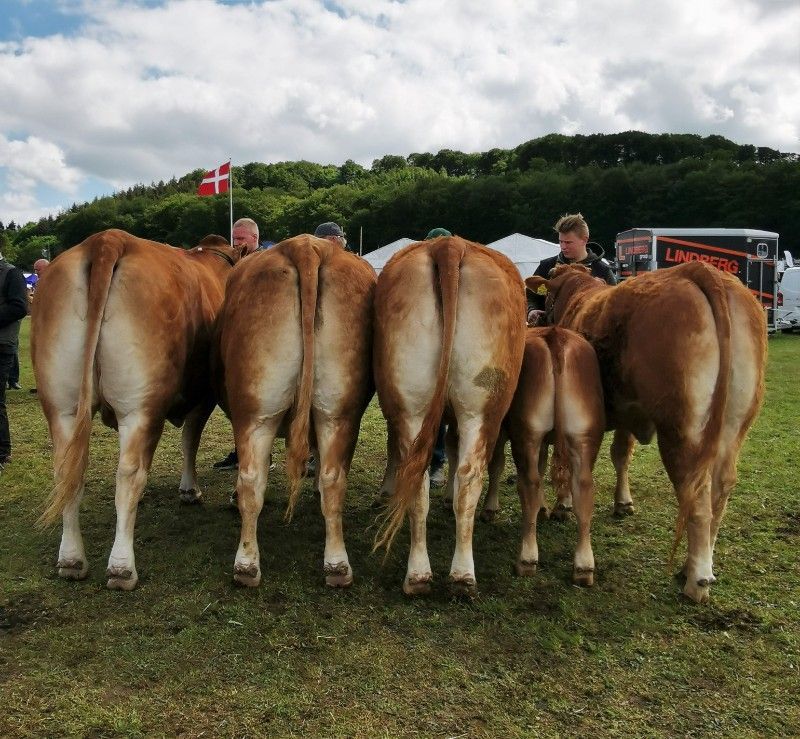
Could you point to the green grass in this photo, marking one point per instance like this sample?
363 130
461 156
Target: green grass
190 654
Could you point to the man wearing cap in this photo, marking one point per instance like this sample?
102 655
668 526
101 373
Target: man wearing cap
332 232
438 456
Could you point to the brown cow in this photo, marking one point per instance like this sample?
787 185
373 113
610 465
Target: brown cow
682 353
124 325
558 401
449 338
295 338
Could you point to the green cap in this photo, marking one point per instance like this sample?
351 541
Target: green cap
434 232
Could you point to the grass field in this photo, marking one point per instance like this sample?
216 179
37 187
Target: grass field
189 654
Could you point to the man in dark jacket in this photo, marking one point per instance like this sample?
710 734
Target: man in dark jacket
13 307
573 238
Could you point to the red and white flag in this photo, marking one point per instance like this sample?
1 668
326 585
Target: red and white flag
215 181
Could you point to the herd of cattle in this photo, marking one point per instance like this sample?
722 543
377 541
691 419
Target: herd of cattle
294 341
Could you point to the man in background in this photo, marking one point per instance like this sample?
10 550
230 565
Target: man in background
332 232
573 238
39 267
13 308
437 476
245 237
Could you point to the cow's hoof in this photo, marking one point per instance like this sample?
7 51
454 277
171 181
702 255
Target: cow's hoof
248 576
583 577
418 584
526 568
561 512
464 588
190 497
624 509
697 591
73 569
338 575
488 515
121 578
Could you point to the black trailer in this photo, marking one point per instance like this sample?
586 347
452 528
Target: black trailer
749 254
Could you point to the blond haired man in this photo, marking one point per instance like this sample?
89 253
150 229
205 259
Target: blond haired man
573 238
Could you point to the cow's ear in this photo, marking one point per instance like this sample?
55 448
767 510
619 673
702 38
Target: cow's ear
537 284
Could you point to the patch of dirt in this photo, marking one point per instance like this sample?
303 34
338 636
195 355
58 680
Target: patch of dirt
714 619
23 611
791 525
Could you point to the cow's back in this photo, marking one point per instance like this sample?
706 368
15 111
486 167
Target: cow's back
261 336
651 333
154 339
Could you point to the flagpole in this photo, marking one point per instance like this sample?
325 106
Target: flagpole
230 197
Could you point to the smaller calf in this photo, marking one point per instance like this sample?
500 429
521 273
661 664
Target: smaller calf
559 401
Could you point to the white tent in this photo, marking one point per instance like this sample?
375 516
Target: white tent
379 257
525 251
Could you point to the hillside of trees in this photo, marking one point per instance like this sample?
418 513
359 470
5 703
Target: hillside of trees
617 181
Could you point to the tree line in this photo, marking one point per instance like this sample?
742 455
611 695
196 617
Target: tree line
618 181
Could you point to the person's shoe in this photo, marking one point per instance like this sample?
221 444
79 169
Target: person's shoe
231 462
14 386
438 478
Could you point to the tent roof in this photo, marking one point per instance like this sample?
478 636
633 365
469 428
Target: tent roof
520 248
379 257
525 251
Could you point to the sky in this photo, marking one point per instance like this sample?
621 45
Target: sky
99 95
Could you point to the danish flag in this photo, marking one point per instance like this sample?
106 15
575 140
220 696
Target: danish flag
215 181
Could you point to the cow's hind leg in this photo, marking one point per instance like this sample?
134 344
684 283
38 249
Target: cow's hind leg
193 426
531 496
692 482
419 575
138 437
72 563
253 447
336 441
469 480
621 452
582 453
491 505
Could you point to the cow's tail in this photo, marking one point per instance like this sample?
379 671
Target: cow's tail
556 339
70 466
711 284
306 260
414 459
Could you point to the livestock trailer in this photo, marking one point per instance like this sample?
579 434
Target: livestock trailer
746 253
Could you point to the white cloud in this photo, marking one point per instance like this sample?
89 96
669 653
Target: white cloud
143 92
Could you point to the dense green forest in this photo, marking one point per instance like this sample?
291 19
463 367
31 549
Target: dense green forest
617 181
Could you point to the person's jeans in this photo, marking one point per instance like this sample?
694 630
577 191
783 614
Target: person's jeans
439 455
13 375
6 363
